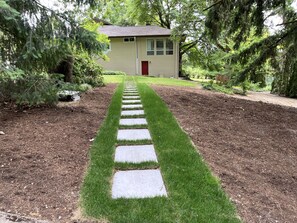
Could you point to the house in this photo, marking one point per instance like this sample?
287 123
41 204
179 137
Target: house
141 50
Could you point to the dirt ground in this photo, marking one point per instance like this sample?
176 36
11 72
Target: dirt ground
44 155
251 146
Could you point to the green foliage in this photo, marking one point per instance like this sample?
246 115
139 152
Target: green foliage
110 72
215 87
238 19
27 89
87 71
36 38
74 87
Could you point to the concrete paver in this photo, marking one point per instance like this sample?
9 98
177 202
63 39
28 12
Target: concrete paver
134 134
132 106
131 101
132 112
138 184
133 121
135 154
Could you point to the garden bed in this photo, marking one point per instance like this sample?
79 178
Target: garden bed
44 155
250 146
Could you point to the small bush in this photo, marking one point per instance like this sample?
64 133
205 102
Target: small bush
74 87
27 89
87 71
216 87
110 72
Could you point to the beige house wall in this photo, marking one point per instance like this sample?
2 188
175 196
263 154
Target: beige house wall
127 57
122 56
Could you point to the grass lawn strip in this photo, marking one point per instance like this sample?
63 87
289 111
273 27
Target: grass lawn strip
194 194
137 183
193 190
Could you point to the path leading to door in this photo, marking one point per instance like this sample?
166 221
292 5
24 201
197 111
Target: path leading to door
135 183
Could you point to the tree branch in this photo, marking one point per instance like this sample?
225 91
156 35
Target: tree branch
188 46
286 23
216 3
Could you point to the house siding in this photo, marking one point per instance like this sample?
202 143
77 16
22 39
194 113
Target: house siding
127 57
122 56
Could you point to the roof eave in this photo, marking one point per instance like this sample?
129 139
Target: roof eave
120 36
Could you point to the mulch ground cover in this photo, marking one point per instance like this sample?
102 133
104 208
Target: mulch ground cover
250 146
44 155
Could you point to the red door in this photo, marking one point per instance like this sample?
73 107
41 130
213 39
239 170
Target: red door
144 67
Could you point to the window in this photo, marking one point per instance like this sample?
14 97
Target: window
160 47
150 47
128 39
169 47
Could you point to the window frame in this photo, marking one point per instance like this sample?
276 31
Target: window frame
169 51
161 52
151 50
128 39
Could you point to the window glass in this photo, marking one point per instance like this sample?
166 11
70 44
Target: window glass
160 46
126 39
150 47
169 47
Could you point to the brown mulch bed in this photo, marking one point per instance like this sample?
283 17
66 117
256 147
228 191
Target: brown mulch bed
250 146
44 155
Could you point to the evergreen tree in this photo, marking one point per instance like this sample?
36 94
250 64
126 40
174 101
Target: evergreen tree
36 38
238 18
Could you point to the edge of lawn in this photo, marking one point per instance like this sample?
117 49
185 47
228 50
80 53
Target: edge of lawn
187 177
96 183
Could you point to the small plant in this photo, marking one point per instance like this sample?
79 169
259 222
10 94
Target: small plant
27 89
74 87
110 72
215 87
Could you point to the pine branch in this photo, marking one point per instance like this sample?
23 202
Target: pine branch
286 23
188 46
216 3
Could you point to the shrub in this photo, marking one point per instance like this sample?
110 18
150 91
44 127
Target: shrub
110 72
27 89
87 71
74 87
216 87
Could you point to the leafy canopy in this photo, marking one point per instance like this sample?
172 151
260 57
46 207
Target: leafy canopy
34 37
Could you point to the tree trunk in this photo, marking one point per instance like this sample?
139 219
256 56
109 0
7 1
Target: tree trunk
65 67
180 64
68 69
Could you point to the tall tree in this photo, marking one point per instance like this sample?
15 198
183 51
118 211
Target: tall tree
238 18
185 17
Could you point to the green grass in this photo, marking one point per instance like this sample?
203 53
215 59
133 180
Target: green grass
138 166
165 81
149 80
194 194
110 79
132 126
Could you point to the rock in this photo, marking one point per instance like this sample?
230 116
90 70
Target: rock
69 95
2 133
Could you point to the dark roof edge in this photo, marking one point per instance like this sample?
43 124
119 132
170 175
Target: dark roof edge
137 36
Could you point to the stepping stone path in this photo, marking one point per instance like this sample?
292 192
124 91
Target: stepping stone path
135 183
